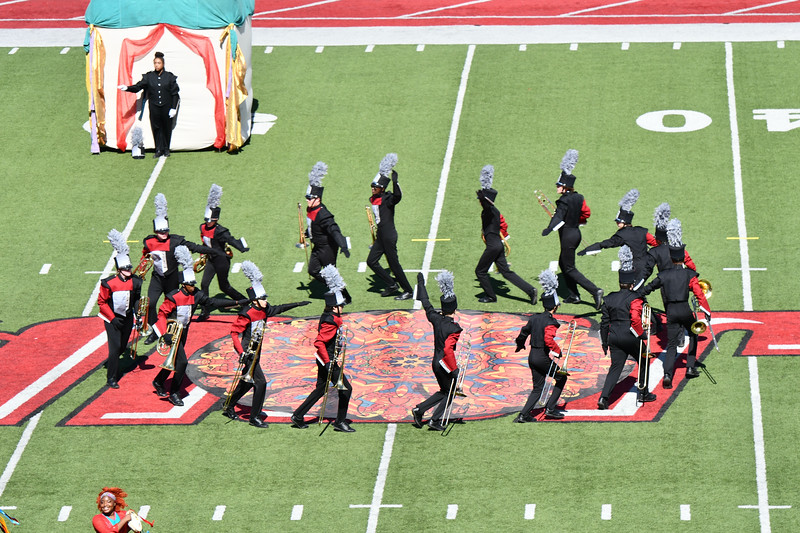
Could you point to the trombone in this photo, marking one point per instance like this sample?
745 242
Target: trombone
545 203
561 372
339 352
457 385
644 349
373 228
175 329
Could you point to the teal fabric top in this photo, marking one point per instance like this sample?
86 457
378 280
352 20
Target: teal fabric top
190 14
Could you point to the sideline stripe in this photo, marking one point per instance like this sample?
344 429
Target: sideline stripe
17 455
448 157
380 482
127 231
53 374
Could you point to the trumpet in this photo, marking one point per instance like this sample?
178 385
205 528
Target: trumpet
254 351
373 228
545 202
302 243
175 329
145 264
644 349
141 312
339 352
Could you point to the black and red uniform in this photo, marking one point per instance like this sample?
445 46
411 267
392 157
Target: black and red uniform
326 238
637 238
446 333
492 226
162 92
217 237
571 213
118 301
382 206
675 284
325 344
658 257
166 276
179 305
542 329
249 321
620 331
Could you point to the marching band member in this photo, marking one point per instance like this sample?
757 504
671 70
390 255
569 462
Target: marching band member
216 236
571 212
675 284
446 333
329 326
111 503
542 328
658 256
382 204
326 237
250 323
492 226
179 305
621 331
161 246
636 238
118 300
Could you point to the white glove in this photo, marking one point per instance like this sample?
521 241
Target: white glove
172 113
122 87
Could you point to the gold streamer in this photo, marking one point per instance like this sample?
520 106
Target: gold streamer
236 94
95 67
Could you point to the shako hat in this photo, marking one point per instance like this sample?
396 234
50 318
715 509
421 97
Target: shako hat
184 258
256 290
161 222
675 239
384 171
123 259
660 219
315 187
446 282
549 283
568 162
212 204
627 275
625 214
336 286
486 192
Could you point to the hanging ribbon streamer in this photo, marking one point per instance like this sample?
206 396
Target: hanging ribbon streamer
95 66
235 90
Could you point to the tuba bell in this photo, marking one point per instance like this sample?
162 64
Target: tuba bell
705 286
699 326
175 329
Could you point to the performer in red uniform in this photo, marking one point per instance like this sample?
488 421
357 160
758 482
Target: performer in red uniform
493 225
250 325
330 325
542 328
675 284
571 213
161 247
382 204
217 237
179 305
636 238
446 333
111 503
118 301
621 331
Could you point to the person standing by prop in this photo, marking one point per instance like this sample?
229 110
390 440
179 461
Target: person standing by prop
118 301
179 306
219 238
636 238
326 237
446 333
330 327
622 332
382 204
161 90
161 248
542 329
675 284
250 325
492 226
570 213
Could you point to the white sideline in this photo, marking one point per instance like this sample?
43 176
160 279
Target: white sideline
448 157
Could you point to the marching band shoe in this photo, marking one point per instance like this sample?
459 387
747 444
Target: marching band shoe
573 299
229 413
692 373
598 299
343 427
435 425
522 419
602 403
257 422
667 382
404 296
644 397
160 391
174 399
388 291
203 316
151 338
552 414
298 422
417 414
113 383
534 296
487 300
166 153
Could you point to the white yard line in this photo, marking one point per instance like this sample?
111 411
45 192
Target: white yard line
17 455
606 6
127 231
762 6
448 157
380 481
295 8
443 8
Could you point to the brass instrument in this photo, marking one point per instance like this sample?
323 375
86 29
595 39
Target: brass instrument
457 385
145 264
339 351
571 335
545 202
551 372
644 349
175 329
303 242
254 351
228 251
200 263
705 285
373 228
141 312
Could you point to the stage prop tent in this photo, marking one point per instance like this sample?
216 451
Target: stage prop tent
206 44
